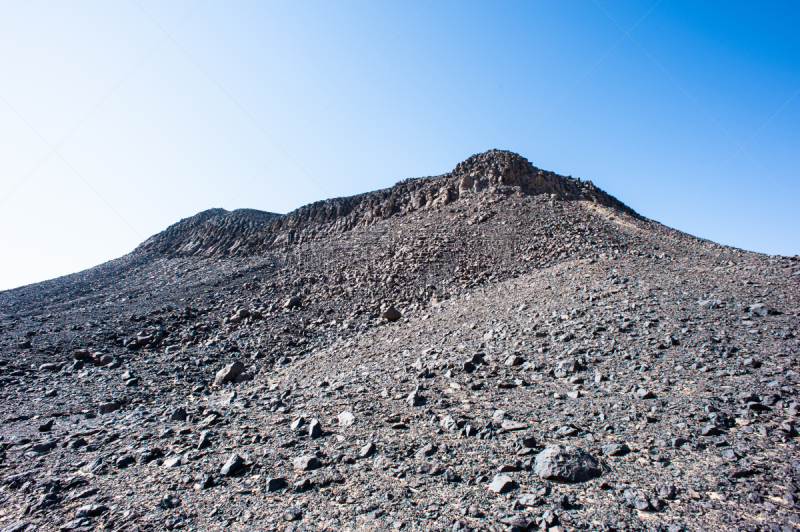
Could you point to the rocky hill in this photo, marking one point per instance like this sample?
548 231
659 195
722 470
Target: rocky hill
219 233
496 348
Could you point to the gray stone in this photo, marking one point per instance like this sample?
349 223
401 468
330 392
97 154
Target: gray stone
450 475
615 449
91 510
637 499
502 484
314 429
415 398
234 464
381 462
228 373
44 447
204 440
125 460
292 302
173 461
760 309
567 464
710 430
510 425
206 481
514 360
292 514
169 501
645 394
429 449
529 499
306 462
346 419
367 450
709 303
448 423
517 521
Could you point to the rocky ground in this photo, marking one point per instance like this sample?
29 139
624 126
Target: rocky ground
498 348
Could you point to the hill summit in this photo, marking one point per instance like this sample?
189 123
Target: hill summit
217 232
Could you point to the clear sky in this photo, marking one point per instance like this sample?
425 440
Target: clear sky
120 118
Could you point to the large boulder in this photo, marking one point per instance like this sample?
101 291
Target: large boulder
229 373
566 464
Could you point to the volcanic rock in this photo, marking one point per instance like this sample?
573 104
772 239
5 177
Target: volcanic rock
567 464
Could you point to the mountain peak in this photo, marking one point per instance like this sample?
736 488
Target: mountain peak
495 163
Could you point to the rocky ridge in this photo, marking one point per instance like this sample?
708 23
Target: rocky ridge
219 233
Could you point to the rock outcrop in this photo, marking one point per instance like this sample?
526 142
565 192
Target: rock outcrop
217 232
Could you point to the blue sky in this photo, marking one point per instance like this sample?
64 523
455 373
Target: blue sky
118 119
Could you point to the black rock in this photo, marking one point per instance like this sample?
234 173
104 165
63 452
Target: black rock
276 483
206 481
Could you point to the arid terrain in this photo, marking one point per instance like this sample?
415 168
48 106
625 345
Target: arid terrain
497 348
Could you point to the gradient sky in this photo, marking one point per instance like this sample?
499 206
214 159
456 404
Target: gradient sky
120 118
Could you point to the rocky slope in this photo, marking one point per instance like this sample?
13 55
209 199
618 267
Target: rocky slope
498 348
